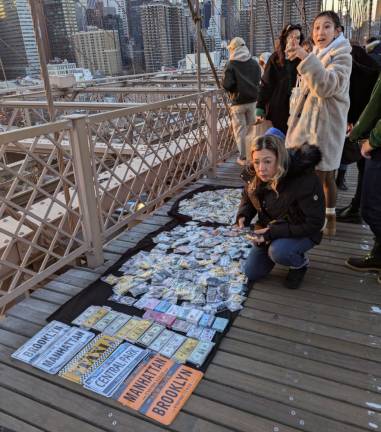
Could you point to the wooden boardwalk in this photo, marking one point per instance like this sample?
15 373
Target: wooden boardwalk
308 360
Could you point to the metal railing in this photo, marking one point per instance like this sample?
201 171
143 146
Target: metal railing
102 171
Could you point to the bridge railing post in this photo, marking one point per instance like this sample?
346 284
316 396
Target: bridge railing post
86 190
212 133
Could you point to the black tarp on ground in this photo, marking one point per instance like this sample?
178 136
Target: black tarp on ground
98 292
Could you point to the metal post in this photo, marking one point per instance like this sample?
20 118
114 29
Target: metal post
198 45
37 12
86 192
251 42
370 17
3 71
270 22
212 133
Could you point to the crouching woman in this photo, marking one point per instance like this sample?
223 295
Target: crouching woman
286 194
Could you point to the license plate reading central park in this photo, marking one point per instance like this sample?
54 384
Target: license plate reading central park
110 374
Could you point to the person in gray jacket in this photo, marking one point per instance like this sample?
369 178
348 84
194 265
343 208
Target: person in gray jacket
241 80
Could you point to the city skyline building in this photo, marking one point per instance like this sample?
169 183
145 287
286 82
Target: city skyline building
61 24
98 50
18 48
165 34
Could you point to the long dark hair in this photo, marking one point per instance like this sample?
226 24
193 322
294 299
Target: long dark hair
280 57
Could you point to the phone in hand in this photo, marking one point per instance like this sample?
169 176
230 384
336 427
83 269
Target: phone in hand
253 237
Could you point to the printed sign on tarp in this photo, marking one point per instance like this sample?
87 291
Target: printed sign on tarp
141 385
89 358
167 400
106 379
63 350
40 341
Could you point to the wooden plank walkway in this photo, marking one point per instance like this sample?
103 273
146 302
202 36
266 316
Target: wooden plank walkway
308 360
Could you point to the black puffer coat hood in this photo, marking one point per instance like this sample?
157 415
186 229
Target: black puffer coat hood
302 159
297 208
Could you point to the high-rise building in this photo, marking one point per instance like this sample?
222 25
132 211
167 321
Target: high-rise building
206 13
135 34
301 12
165 35
61 24
80 12
18 49
215 23
263 37
94 13
231 10
98 50
113 21
244 25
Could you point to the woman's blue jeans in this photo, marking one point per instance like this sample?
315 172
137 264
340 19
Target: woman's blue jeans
289 252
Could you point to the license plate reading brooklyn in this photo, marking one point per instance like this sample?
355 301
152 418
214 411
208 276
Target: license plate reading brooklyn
40 341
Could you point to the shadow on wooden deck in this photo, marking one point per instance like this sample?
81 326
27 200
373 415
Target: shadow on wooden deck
308 360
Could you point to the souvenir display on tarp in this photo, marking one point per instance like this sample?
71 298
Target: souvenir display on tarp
170 396
106 320
89 358
31 349
91 316
210 205
116 324
63 350
183 353
133 329
200 353
172 300
196 265
181 282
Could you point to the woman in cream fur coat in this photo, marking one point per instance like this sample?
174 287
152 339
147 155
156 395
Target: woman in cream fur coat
320 105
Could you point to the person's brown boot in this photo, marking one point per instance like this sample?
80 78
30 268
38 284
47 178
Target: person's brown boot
330 226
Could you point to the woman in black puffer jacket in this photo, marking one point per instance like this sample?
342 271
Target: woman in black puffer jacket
286 194
278 80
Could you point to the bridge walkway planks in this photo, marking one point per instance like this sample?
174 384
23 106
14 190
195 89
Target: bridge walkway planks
308 360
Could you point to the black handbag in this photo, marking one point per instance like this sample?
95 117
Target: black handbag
351 152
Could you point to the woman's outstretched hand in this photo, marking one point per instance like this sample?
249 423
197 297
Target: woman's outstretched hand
294 51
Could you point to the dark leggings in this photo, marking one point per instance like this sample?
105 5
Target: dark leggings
327 179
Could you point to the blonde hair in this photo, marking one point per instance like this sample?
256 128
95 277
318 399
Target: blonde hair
276 146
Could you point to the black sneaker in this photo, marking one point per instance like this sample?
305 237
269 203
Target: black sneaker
348 215
367 263
295 277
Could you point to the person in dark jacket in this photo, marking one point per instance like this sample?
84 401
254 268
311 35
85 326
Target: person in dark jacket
363 78
373 48
368 130
241 79
278 81
283 190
